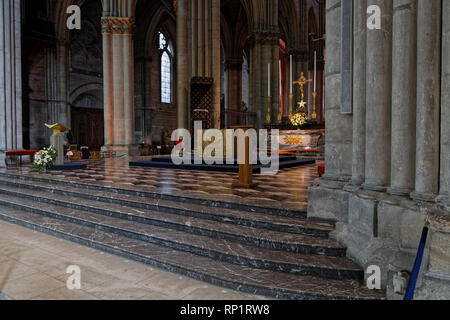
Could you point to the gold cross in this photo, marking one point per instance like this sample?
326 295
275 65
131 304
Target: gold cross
301 82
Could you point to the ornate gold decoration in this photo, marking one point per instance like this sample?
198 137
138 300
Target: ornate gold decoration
293 140
301 82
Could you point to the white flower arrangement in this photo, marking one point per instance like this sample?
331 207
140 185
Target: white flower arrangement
44 158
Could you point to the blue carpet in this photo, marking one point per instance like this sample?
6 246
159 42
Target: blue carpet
154 163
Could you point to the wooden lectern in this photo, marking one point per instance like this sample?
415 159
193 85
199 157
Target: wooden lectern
246 169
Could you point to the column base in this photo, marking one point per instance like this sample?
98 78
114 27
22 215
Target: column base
399 191
122 150
428 197
372 187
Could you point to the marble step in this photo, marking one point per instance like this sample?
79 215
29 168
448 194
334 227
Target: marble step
53 206
303 264
237 277
133 191
250 219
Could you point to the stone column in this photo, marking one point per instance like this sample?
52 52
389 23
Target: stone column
403 97
359 92
119 83
213 68
264 49
128 63
234 90
338 149
50 64
62 54
378 101
10 78
445 105
108 85
182 65
428 100
203 21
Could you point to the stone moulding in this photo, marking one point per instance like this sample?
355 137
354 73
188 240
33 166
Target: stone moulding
118 26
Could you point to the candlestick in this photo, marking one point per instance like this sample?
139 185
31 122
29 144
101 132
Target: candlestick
291 110
280 109
268 116
314 114
290 73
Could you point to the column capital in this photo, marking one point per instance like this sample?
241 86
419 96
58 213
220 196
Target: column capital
265 37
118 25
234 63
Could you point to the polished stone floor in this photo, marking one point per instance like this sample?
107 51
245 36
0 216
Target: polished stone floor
33 266
287 189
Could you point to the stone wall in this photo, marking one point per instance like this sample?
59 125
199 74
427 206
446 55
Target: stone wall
387 162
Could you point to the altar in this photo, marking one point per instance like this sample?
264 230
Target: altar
301 140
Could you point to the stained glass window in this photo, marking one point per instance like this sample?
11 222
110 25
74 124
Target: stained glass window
166 69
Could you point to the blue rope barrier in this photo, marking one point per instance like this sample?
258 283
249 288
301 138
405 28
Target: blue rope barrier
415 273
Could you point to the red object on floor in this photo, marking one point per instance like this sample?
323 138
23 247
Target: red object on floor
21 152
321 170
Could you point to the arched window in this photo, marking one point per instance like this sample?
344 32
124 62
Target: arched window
166 69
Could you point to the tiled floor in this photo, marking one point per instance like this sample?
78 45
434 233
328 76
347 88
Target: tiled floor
288 189
33 266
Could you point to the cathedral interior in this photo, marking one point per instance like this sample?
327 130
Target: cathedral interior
360 205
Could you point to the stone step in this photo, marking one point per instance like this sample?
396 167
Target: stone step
235 217
237 277
76 209
207 200
303 264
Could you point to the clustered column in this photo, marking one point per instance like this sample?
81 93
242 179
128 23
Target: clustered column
378 101
118 78
428 100
445 104
359 92
10 77
404 63
339 126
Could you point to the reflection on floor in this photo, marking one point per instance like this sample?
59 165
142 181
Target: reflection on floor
287 189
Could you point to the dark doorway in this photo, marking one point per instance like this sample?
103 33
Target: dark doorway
88 127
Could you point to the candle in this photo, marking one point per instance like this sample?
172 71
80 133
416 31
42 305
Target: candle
290 73
315 70
268 80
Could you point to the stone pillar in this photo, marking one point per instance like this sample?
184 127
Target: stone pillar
428 100
203 50
403 97
213 68
10 77
50 70
62 54
359 92
182 65
378 101
234 90
264 49
118 59
128 63
445 105
338 149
